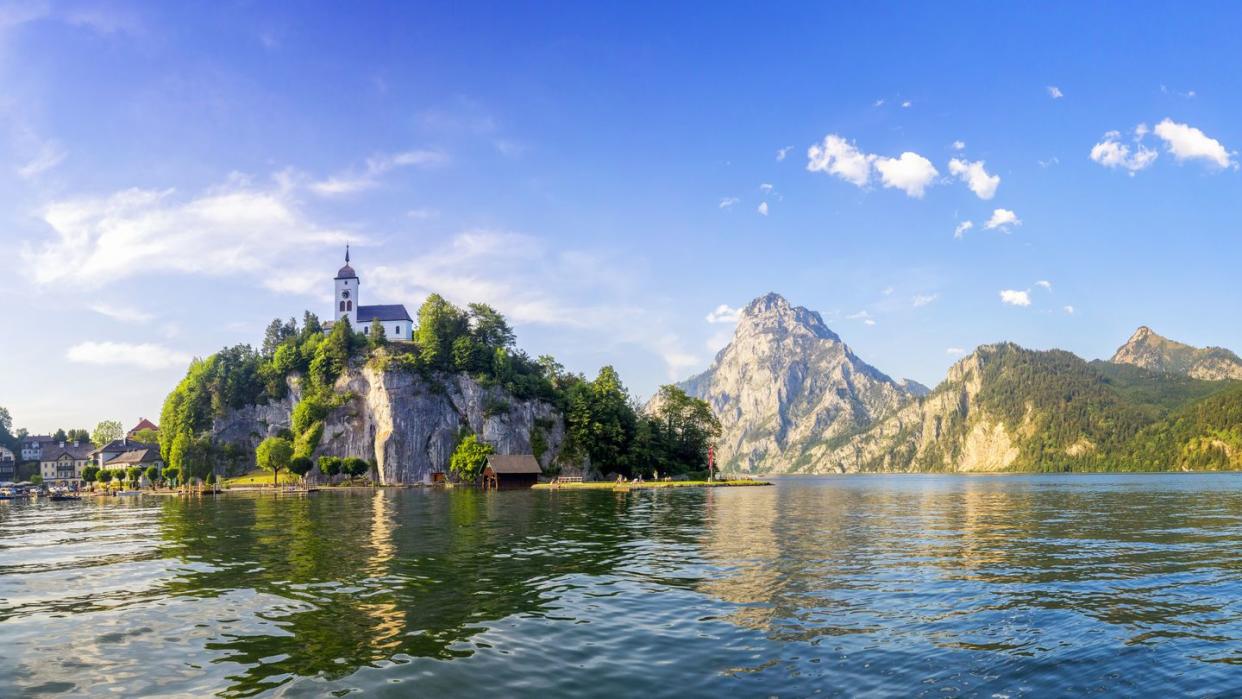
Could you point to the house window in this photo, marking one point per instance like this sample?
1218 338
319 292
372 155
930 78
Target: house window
396 330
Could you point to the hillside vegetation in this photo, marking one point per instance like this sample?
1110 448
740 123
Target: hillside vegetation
603 424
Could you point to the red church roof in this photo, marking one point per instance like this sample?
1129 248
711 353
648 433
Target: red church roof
144 424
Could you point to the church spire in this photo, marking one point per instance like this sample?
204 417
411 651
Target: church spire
346 253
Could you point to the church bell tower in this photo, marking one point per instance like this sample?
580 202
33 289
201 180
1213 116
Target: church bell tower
346 297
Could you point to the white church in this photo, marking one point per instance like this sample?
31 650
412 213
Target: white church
393 317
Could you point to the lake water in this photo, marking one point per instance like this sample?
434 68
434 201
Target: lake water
1001 586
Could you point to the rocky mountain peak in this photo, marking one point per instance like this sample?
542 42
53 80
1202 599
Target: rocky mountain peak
1149 350
772 313
786 383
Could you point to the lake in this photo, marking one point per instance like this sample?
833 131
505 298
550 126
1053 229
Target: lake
912 585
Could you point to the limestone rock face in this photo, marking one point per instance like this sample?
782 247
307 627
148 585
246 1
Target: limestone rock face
408 424
1148 350
786 384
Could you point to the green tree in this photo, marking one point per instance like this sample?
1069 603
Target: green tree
105 476
440 323
601 421
134 473
469 458
105 432
171 475
330 466
153 475
274 454
300 465
147 436
90 474
354 467
36 479
332 355
59 436
376 337
488 327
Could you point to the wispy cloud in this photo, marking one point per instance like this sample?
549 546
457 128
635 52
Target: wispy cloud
782 152
142 356
1055 92
1112 153
724 313
368 176
124 314
921 300
728 202
955 351
961 228
1045 284
762 208
235 228
50 155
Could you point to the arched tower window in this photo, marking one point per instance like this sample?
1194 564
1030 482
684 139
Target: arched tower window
349 305
342 306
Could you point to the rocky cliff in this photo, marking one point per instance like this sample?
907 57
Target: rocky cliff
407 423
1149 350
786 384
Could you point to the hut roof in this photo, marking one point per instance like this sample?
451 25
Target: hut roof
515 463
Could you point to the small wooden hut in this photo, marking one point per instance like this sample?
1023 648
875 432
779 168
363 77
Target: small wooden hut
512 471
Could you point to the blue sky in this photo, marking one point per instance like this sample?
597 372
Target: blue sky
174 175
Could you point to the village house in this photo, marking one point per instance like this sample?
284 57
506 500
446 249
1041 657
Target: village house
393 318
8 466
62 462
115 448
143 457
143 424
32 446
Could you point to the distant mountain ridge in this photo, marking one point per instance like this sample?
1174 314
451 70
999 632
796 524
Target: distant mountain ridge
1151 351
793 398
785 383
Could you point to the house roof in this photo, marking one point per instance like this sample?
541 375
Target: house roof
53 452
119 446
145 455
514 463
393 311
143 424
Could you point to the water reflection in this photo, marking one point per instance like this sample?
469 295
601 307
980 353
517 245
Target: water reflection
906 585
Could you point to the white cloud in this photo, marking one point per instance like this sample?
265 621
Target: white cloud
921 300
728 202
355 180
724 313
975 176
878 103
955 351
1002 218
762 208
782 152
1015 298
143 356
1186 142
962 227
422 214
907 104
1054 160
868 321
1045 284
887 291
861 315
911 173
234 229
766 188
837 156
1069 310
1112 153
122 313
49 156
959 145
1055 92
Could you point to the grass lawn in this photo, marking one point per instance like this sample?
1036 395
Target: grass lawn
608 485
261 478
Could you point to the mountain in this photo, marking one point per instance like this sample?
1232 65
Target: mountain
1006 408
786 383
1148 350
